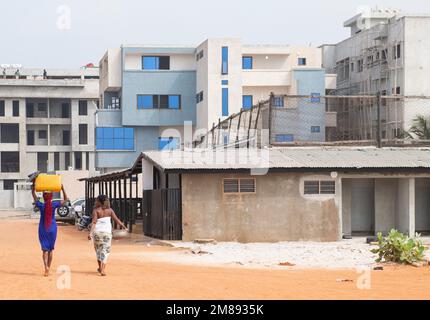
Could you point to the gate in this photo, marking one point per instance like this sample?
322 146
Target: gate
162 214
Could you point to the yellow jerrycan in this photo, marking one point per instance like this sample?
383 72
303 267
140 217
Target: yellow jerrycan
48 182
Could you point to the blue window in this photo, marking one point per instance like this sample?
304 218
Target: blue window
149 101
315 97
174 102
224 82
284 138
224 64
155 63
278 101
169 143
247 102
114 138
302 62
150 63
225 102
315 129
145 101
225 137
246 63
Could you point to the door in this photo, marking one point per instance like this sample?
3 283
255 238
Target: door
363 206
30 137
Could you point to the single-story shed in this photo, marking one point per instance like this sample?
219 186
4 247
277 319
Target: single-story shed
282 194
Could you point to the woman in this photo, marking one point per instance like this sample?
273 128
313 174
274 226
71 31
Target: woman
47 224
101 230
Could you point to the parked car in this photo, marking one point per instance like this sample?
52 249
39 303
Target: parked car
66 212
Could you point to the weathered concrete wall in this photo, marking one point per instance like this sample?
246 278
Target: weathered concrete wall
405 214
278 211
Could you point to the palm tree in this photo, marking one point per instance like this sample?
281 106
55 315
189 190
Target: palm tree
420 128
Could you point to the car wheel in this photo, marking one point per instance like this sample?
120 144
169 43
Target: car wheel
63 211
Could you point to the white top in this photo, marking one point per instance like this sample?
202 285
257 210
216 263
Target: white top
103 225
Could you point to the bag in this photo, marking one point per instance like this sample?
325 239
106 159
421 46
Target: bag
48 182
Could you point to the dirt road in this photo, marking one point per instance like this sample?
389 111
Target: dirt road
132 277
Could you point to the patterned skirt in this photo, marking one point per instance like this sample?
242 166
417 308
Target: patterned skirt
102 244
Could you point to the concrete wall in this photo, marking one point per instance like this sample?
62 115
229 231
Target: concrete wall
386 193
277 211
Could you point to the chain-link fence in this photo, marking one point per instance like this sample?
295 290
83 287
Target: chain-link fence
291 120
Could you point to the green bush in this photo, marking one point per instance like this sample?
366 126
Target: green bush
399 248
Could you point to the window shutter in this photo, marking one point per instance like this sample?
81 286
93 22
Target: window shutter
311 187
247 185
327 187
231 185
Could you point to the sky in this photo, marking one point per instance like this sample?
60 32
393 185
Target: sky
72 33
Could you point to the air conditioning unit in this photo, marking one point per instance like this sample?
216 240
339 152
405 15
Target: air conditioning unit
70 168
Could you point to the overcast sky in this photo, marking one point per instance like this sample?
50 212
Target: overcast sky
71 33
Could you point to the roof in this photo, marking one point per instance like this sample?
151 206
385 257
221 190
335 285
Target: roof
290 158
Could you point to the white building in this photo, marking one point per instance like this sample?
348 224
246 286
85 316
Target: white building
387 53
46 124
207 83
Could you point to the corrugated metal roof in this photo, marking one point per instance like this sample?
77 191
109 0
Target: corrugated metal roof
291 158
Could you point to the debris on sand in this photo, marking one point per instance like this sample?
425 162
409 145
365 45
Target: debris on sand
344 280
286 264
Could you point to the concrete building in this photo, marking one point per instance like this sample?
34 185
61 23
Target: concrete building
149 92
46 124
385 53
316 194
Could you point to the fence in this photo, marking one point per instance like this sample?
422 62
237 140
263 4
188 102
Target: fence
292 120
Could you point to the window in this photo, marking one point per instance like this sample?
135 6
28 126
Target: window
224 57
278 101
8 184
224 82
83 107
41 107
169 143
225 102
1 108
199 97
145 101
78 160
315 129
155 62
9 161
360 65
56 161
247 102
315 97
284 138
352 66
87 160
9 133
319 187
246 185
199 55
398 91
83 133
246 63
43 134
397 51
15 108
302 61
114 138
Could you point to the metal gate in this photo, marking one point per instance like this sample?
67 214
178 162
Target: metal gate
162 214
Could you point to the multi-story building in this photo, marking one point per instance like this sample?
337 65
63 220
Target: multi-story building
148 92
46 125
386 53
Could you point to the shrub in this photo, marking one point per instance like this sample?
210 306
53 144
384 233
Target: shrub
399 248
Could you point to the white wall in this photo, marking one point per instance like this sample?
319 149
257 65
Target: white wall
133 61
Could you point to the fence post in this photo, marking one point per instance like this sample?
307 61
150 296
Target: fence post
238 128
378 109
249 125
270 117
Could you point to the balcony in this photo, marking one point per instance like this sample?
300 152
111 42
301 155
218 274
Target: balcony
266 78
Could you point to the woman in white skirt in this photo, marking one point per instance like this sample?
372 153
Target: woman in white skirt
101 230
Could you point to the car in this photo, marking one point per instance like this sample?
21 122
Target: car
67 211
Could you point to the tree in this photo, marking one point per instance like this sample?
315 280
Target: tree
420 128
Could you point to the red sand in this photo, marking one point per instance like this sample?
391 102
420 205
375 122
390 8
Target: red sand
128 277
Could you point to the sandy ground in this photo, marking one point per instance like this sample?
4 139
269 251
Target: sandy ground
135 272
